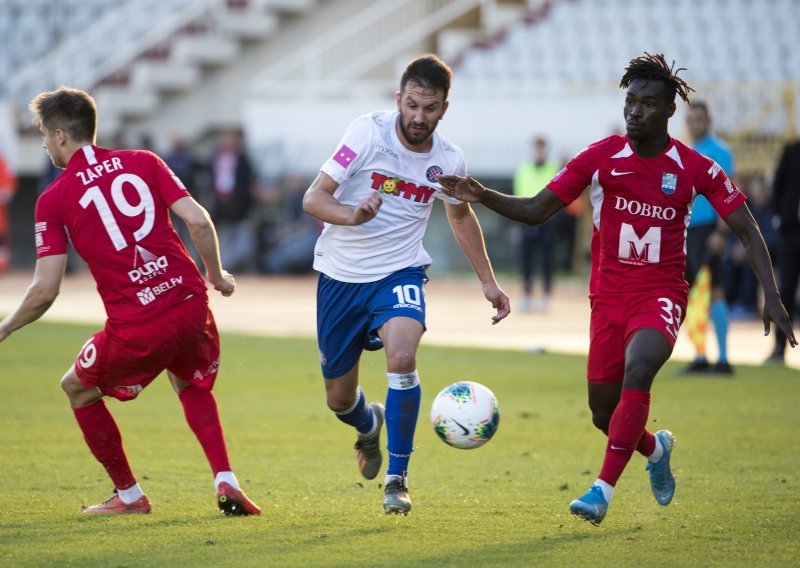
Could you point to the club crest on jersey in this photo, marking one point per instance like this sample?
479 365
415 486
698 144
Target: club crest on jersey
669 182
432 172
401 188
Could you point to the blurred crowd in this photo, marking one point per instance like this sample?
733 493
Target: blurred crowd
260 222
263 229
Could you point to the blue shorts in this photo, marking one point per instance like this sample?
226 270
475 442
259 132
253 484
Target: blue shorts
348 312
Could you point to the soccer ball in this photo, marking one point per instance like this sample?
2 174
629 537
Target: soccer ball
465 415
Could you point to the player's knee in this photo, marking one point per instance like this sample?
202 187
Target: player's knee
601 420
77 394
639 374
340 401
401 361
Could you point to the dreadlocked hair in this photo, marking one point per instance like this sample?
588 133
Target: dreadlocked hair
653 67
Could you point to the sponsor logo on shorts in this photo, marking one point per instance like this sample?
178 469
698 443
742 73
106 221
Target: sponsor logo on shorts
322 359
411 306
129 390
211 370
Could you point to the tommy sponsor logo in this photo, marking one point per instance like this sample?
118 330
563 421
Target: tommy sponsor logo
614 172
401 188
637 250
344 156
644 209
432 172
149 293
387 151
146 265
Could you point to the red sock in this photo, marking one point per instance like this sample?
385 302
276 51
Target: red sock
647 443
200 409
625 433
104 440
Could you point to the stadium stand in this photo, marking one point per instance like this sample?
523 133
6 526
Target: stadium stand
195 66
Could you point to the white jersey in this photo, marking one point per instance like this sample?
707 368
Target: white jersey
369 158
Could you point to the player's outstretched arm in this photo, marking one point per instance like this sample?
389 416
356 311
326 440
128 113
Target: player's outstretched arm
468 233
528 210
41 294
319 202
204 237
742 223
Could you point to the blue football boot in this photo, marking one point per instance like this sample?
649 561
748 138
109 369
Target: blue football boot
662 482
591 506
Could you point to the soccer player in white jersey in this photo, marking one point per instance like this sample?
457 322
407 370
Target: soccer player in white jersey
375 196
642 187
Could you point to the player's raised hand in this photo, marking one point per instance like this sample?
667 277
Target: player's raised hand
226 285
367 209
464 188
774 311
499 300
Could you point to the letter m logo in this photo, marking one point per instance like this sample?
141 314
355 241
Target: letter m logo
639 250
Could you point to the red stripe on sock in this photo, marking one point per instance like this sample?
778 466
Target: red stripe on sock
625 433
200 409
102 435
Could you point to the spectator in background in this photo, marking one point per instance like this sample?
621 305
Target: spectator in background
294 239
705 244
267 216
786 202
741 285
8 186
186 168
537 241
233 183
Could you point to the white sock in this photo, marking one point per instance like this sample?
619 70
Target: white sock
389 478
228 477
607 489
131 494
657 453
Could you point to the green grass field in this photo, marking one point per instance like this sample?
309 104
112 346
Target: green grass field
737 461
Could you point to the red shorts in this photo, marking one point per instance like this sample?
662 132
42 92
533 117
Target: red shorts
122 361
615 319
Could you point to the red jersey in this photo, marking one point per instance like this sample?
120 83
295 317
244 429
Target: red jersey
114 205
641 208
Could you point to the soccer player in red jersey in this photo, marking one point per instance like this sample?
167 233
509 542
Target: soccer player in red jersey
114 206
642 187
